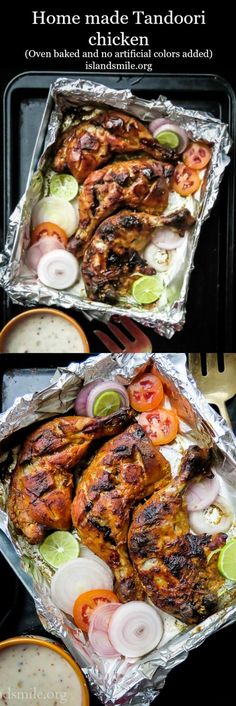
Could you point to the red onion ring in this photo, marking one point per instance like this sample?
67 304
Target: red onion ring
35 252
165 124
98 630
80 405
102 387
155 124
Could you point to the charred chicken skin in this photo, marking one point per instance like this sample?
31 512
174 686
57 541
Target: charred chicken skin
42 482
114 252
125 470
141 183
171 562
87 146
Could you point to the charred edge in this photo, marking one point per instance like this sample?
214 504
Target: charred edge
154 513
96 202
138 545
106 531
196 461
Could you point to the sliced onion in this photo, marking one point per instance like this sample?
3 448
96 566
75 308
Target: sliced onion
101 616
44 245
98 630
155 258
202 493
102 645
218 517
159 126
58 211
80 405
85 552
135 629
102 387
167 239
58 269
155 124
76 577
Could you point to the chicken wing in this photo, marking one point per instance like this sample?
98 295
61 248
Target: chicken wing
126 469
42 483
141 183
171 562
114 252
87 146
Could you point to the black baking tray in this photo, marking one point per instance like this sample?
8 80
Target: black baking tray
210 323
203 671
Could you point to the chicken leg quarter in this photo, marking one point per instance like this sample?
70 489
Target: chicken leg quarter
170 561
125 470
42 482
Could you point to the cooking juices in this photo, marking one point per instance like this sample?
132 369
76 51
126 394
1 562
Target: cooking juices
43 331
39 675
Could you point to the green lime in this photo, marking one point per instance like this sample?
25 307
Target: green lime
58 548
64 186
147 289
106 403
168 138
227 560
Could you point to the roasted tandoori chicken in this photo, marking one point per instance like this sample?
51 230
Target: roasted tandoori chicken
114 251
125 470
141 183
171 562
42 483
83 148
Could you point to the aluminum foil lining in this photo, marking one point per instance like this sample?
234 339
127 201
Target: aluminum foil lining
168 315
120 680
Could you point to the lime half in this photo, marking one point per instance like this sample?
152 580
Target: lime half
63 186
227 560
168 139
147 289
58 548
106 403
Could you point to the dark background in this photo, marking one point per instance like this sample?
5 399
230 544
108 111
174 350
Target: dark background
208 674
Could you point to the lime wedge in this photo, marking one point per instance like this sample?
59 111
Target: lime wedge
106 403
147 289
63 186
168 138
58 548
227 560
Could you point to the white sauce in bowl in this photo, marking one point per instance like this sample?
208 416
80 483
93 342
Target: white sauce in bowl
36 675
43 333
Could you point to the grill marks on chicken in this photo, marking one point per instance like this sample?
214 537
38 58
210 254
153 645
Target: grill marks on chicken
150 549
114 252
170 561
42 483
141 183
87 146
125 470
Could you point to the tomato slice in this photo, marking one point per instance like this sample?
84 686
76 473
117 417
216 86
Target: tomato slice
161 425
87 602
186 181
48 228
145 393
197 155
